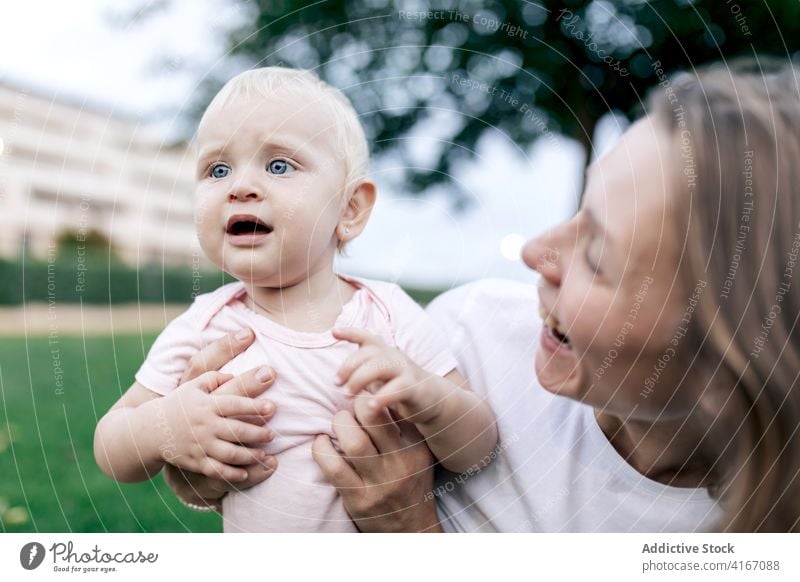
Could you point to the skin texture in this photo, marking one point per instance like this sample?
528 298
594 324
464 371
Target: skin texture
458 427
290 273
620 232
195 425
593 266
383 477
283 170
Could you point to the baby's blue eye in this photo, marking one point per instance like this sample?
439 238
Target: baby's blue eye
220 171
280 167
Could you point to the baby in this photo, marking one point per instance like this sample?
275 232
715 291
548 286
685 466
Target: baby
281 187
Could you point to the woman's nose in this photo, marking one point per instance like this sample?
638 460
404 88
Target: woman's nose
543 256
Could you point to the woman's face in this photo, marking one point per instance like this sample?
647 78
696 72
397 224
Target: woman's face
609 292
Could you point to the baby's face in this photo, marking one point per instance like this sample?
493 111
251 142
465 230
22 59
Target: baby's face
269 189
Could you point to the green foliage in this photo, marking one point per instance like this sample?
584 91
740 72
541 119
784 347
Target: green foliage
93 246
98 281
106 283
50 480
529 67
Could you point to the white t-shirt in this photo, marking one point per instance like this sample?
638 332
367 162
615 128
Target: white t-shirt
553 468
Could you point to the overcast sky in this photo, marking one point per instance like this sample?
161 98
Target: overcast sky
74 49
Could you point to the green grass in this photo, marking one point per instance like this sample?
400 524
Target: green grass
49 481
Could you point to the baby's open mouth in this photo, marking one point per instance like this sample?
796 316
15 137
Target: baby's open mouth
244 224
554 326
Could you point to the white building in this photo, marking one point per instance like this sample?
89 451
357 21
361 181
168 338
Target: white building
71 167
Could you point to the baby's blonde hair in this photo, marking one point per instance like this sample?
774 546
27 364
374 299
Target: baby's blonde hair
264 81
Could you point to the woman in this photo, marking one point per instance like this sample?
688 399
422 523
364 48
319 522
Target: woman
665 395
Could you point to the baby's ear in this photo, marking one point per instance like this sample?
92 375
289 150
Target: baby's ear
356 213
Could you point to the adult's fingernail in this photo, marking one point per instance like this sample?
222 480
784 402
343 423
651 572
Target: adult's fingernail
243 334
264 374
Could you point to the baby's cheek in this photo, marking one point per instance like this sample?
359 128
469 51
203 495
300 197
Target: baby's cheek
210 241
203 205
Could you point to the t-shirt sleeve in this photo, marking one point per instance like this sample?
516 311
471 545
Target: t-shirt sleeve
418 337
169 356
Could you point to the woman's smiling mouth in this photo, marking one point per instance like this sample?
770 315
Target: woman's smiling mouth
553 328
557 363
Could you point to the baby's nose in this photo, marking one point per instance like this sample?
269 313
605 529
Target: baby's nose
245 190
243 195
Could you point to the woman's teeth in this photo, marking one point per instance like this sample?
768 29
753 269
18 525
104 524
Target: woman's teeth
552 322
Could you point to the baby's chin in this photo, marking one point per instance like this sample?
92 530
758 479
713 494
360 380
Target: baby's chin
253 277
260 277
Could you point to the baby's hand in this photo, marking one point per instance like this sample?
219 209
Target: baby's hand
200 433
394 379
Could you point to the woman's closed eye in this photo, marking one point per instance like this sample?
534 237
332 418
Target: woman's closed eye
280 167
219 171
593 255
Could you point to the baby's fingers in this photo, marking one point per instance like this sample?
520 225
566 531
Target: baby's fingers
381 369
252 419
231 454
239 431
391 394
226 405
357 336
216 470
251 383
218 353
355 361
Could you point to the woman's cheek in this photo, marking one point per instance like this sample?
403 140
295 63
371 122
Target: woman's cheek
595 325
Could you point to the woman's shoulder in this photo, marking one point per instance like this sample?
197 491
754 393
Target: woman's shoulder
499 300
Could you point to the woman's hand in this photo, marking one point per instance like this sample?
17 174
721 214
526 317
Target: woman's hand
385 475
199 489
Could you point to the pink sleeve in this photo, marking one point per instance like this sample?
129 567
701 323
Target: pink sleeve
418 337
169 356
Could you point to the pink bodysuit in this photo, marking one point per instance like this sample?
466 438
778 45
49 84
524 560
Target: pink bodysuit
296 498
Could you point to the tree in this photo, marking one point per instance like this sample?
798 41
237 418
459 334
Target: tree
525 68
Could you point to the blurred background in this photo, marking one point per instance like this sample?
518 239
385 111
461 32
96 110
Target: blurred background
481 115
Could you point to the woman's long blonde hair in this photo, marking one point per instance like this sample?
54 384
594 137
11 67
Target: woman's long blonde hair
737 131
